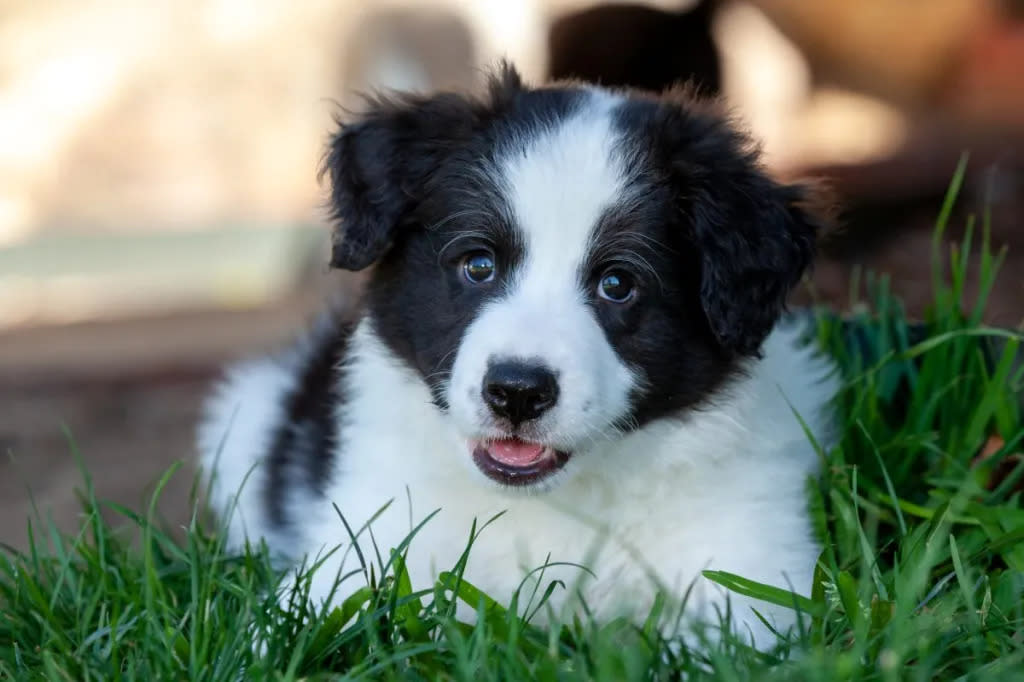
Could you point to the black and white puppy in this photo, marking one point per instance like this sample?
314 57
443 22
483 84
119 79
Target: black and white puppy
572 318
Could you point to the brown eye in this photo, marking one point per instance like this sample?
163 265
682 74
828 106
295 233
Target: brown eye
616 286
478 267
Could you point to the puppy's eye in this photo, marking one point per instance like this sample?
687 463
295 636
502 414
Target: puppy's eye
478 267
616 286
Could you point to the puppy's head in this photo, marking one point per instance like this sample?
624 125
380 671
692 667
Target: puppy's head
564 264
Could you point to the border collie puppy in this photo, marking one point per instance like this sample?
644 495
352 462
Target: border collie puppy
572 319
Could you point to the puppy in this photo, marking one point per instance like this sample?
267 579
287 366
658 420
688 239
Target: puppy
571 319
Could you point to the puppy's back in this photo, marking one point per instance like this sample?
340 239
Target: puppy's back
239 423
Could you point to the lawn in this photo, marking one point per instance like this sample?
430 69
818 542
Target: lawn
919 509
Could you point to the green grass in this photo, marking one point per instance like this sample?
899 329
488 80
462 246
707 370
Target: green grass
922 576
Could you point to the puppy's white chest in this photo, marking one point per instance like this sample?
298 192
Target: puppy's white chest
616 553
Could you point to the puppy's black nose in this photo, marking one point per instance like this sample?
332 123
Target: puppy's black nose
519 391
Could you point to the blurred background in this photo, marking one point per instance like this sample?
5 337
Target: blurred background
160 214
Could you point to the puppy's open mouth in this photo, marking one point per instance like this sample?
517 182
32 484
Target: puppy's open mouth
517 462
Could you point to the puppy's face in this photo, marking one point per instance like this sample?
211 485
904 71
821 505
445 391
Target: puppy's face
562 265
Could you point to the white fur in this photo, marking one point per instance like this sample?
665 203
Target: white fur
722 487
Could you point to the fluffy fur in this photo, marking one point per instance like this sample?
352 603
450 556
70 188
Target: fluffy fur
670 409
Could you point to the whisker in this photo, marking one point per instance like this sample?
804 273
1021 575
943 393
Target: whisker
455 216
444 357
437 375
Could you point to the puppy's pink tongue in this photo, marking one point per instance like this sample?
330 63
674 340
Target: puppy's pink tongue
515 452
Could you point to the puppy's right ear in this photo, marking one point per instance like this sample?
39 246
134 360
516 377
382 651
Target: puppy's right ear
379 165
365 200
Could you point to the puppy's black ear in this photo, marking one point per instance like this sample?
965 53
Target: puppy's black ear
753 252
377 166
380 164
753 236
363 166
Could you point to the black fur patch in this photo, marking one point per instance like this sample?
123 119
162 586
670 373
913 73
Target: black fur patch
302 452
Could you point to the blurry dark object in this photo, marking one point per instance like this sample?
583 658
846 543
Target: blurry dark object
624 45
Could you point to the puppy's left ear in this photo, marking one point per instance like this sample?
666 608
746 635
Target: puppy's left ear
754 250
754 237
361 164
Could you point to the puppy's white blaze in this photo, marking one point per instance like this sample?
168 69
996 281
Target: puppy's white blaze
558 187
